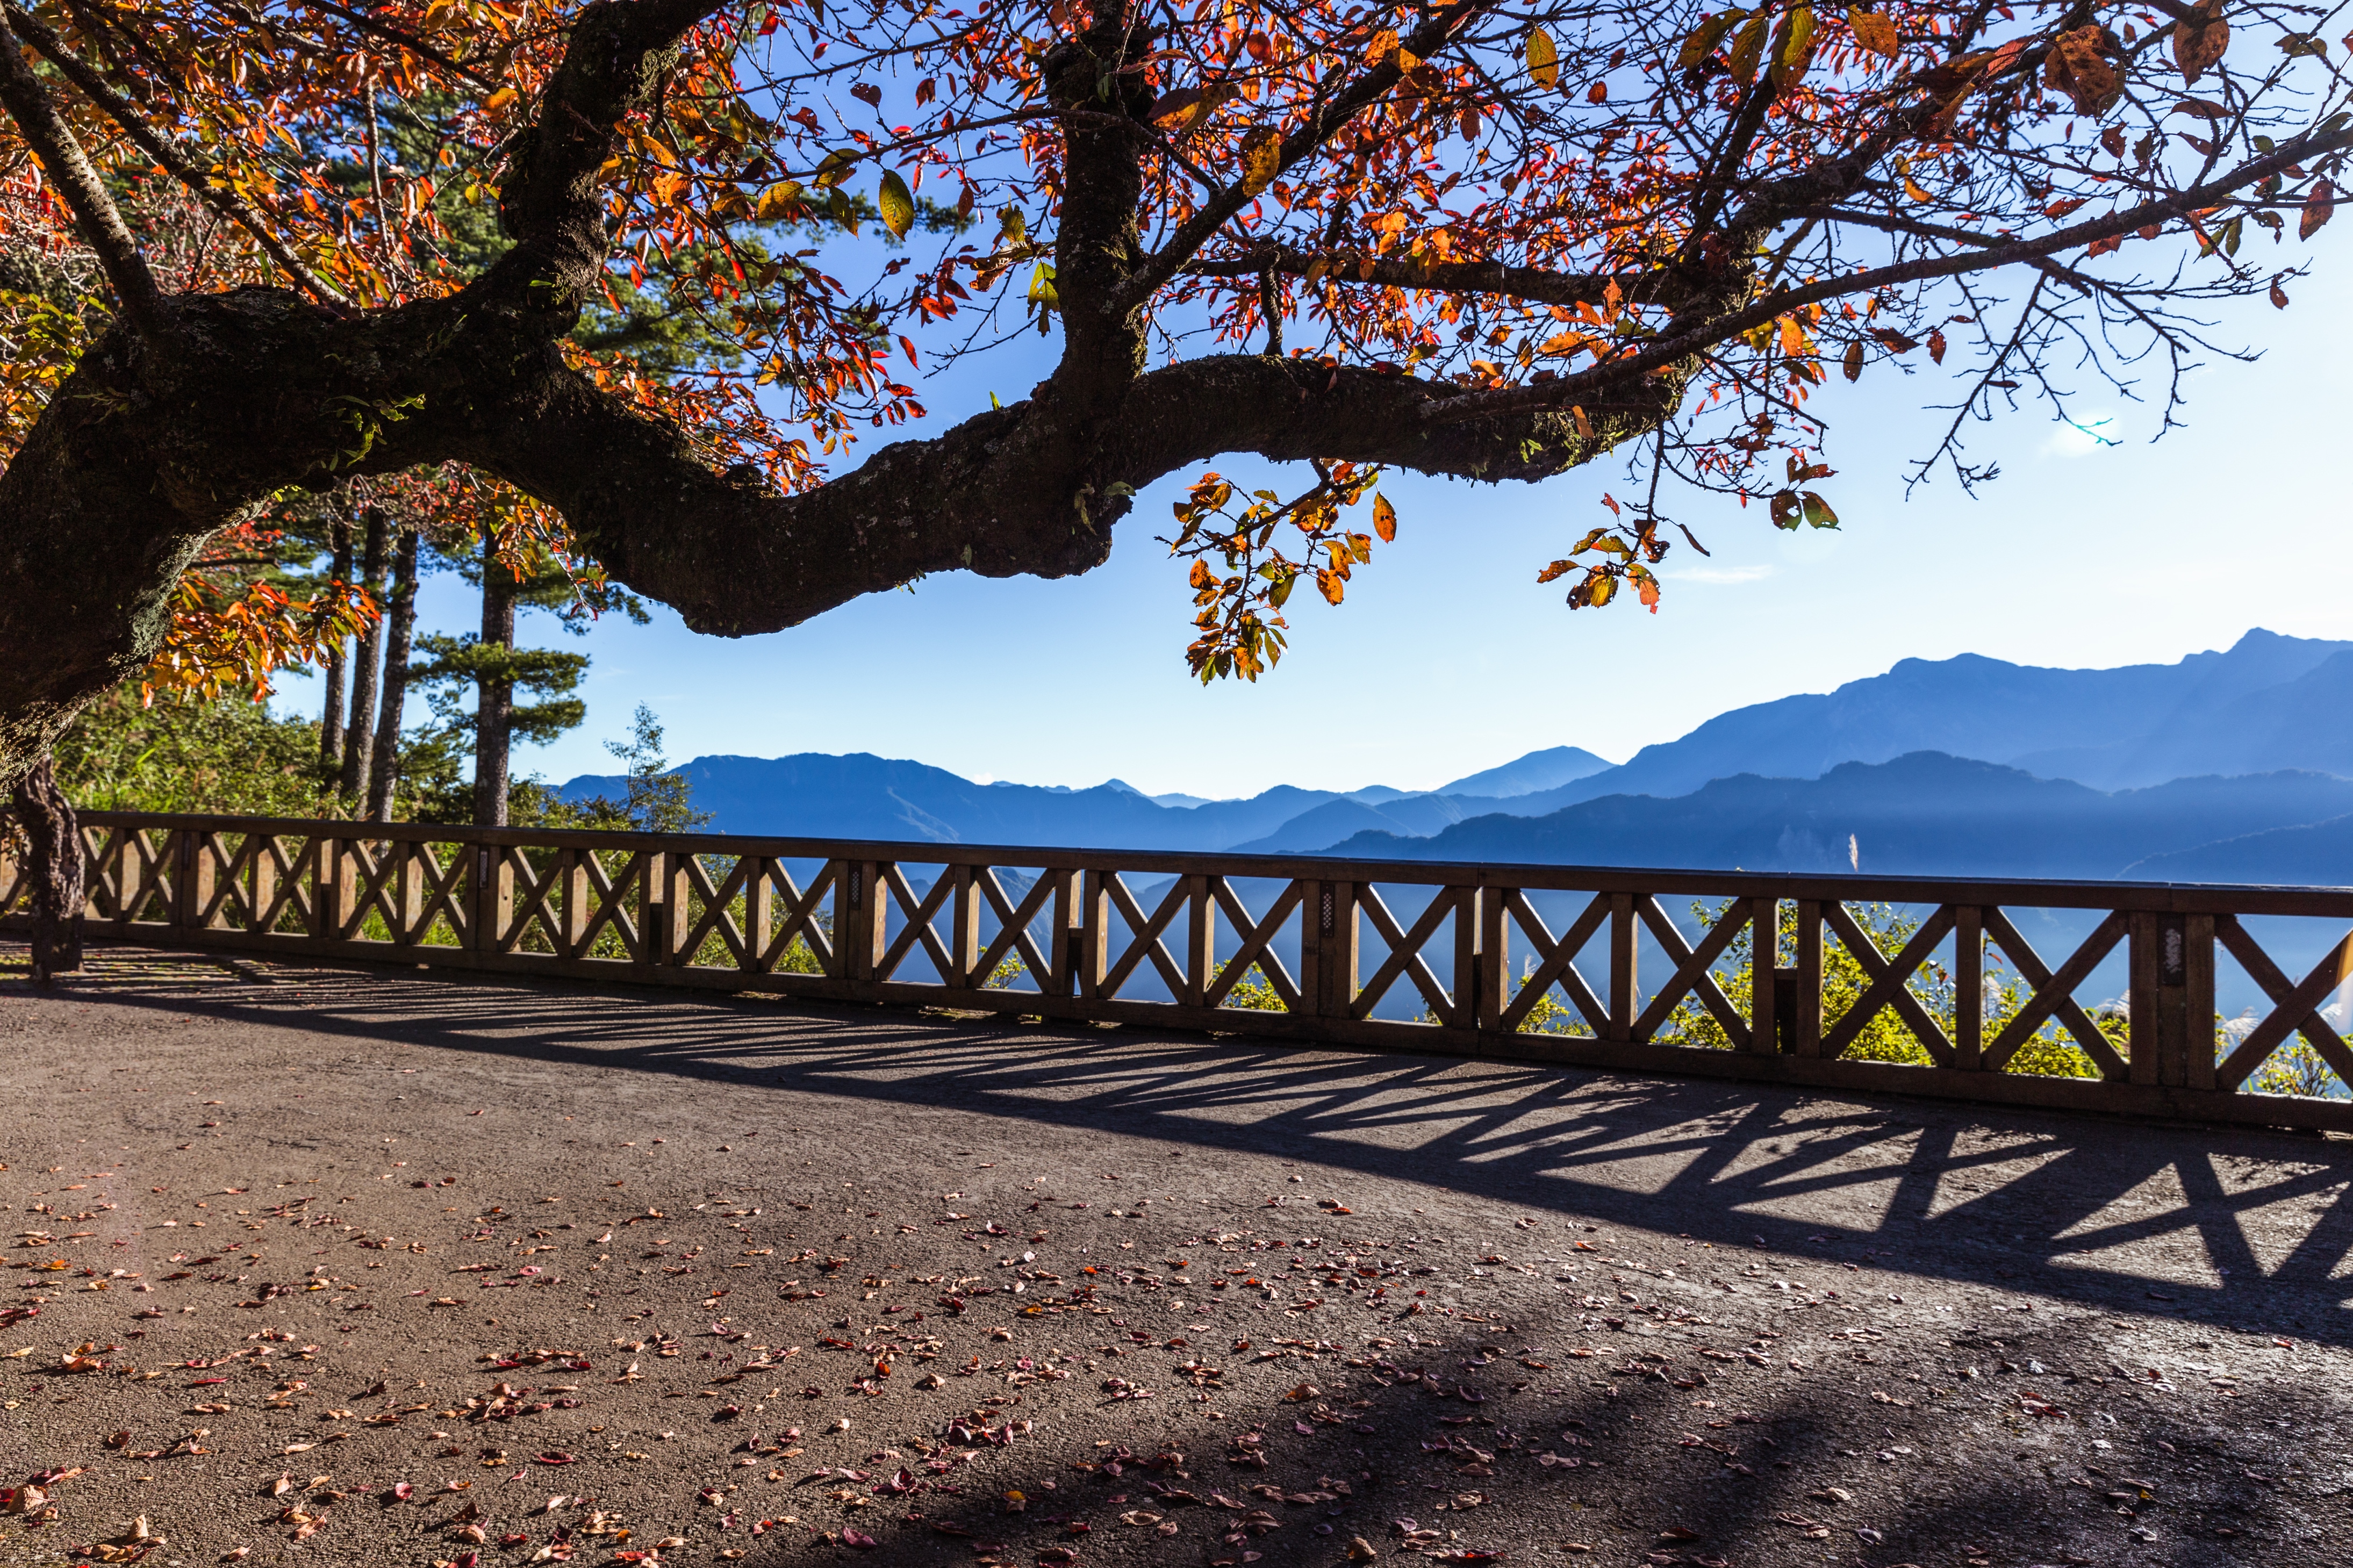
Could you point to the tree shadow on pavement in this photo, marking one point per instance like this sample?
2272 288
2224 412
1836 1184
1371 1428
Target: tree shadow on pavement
2238 1227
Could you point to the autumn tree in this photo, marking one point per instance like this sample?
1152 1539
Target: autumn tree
1492 243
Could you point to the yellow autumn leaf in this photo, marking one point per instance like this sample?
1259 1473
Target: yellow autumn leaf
1748 48
1875 31
1385 519
777 200
1701 42
1262 159
897 204
1797 40
1543 61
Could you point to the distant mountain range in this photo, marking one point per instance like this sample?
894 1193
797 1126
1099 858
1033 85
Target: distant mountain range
2259 708
2221 767
1926 813
818 796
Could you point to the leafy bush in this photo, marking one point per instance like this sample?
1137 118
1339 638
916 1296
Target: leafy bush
1255 992
1550 1016
231 757
2293 1067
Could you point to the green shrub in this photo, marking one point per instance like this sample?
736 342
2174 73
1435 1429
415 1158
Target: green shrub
231 757
1255 992
2294 1069
1887 1037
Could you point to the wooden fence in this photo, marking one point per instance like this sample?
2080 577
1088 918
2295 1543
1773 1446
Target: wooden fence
1304 949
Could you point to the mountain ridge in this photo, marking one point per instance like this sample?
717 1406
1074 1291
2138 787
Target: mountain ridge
2075 754
1924 814
2025 716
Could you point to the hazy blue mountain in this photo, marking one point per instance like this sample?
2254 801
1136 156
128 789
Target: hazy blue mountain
1926 813
1414 815
2256 708
2235 729
817 795
2319 854
1536 771
2070 780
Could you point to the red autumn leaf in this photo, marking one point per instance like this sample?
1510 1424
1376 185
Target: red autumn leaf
2318 208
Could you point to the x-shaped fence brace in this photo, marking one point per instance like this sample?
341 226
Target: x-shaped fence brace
703 910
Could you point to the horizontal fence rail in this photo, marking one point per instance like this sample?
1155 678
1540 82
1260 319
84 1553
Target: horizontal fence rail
1917 985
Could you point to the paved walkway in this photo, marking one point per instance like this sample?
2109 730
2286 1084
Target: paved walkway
340 1266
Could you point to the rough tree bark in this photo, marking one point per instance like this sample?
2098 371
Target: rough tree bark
168 428
366 663
192 408
400 634
52 869
494 699
331 722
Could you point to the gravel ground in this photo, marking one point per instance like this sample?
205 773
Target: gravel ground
495 1273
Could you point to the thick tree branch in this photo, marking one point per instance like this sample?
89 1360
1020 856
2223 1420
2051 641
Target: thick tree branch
551 197
140 458
1099 242
1715 184
68 169
1020 489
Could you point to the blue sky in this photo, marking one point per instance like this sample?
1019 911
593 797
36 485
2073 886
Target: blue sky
1448 658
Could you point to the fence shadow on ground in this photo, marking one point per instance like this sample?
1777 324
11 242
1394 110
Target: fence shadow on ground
2243 1228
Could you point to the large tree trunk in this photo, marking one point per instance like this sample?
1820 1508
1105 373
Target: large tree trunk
357 751
52 869
400 635
495 708
330 722
194 407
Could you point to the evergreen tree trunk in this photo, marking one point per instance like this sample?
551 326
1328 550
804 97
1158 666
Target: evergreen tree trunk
494 711
53 871
400 636
357 751
330 722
